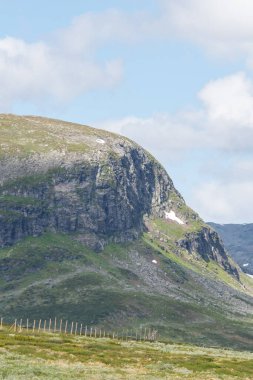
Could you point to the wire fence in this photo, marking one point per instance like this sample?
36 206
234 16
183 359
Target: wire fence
60 326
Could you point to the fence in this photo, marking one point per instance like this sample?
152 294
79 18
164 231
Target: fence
76 328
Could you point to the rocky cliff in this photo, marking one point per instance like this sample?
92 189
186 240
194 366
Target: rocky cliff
100 187
92 229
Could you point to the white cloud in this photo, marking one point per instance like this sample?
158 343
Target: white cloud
166 134
225 202
90 30
223 127
221 26
228 108
227 197
40 72
224 121
229 99
67 65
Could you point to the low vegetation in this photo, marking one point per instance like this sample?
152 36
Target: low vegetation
53 356
54 275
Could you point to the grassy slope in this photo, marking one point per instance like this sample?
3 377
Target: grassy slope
55 276
53 356
42 135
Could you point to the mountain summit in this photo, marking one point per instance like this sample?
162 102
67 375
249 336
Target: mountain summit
92 228
68 178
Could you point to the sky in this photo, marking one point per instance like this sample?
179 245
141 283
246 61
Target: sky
176 76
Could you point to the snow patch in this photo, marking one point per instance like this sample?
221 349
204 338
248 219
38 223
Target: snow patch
245 265
154 261
172 216
250 275
100 141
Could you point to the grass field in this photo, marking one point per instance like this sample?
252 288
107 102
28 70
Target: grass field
54 356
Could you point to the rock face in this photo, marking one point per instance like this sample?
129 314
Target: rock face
62 177
108 199
208 245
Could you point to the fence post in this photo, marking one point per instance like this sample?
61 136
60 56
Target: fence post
66 326
81 329
20 325
49 327
71 330
60 325
39 325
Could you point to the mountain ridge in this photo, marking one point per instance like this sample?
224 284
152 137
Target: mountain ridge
92 227
238 241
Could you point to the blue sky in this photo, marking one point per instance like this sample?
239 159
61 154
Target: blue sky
174 75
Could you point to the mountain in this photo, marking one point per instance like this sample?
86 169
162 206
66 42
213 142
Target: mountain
238 240
92 229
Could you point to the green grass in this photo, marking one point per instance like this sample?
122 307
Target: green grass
53 356
54 275
42 135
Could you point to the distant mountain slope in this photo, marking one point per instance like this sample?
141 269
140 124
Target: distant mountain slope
92 229
238 240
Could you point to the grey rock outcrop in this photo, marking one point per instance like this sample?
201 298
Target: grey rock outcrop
207 244
98 186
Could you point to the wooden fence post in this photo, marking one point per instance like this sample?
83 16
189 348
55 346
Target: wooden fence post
71 330
81 328
20 325
60 325
66 326
49 326
39 325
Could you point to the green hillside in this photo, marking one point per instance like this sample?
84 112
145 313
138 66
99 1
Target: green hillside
93 230
56 276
